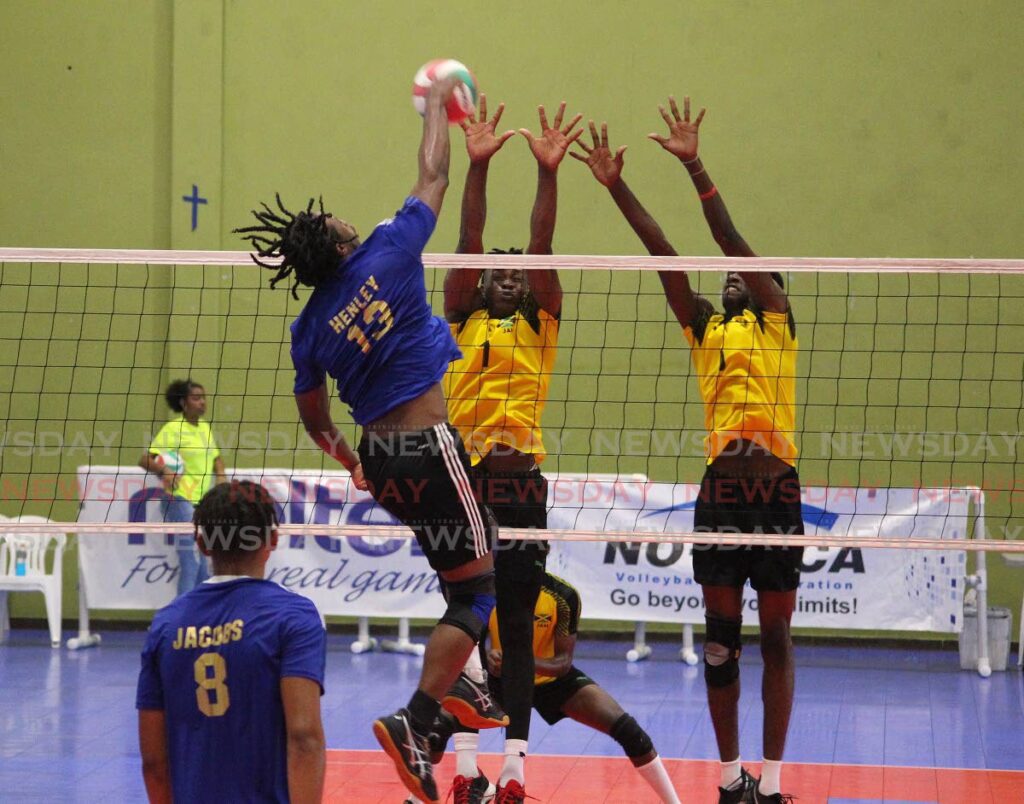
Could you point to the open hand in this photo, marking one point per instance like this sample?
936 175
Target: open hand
606 168
554 140
481 141
682 134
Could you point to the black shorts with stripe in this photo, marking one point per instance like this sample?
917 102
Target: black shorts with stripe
551 697
422 478
517 500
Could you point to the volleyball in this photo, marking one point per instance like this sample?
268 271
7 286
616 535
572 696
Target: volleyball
172 462
462 102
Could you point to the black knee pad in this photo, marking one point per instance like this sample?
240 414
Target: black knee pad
721 671
634 740
470 603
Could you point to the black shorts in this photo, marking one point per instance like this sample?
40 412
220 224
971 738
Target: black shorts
748 505
422 478
517 500
549 698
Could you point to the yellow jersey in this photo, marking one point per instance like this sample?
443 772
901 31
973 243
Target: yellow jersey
746 370
557 612
497 391
198 451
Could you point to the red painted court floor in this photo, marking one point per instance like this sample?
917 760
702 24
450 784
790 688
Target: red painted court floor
368 777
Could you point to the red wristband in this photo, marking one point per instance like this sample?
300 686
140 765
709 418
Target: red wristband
709 194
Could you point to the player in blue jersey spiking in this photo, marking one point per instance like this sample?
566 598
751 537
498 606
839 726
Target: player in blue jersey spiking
368 325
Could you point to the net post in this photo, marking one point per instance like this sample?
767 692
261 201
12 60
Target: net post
85 638
981 573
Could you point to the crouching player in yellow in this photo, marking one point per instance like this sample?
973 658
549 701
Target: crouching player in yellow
561 690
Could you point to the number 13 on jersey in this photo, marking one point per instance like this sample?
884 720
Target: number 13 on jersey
376 312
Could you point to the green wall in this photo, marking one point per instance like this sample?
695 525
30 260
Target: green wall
834 129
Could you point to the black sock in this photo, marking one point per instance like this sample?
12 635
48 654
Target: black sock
422 711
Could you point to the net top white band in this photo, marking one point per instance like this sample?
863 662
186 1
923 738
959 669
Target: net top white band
561 261
528 534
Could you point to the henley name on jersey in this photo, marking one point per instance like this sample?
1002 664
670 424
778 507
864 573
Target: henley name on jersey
348 313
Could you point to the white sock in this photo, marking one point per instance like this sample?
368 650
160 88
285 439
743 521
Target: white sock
515 756
771 770
473 668
730 773
466 744
655 775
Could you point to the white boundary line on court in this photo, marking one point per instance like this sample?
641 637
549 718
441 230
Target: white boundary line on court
844 265
716 762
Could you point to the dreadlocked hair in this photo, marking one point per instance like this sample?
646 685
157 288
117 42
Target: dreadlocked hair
302 242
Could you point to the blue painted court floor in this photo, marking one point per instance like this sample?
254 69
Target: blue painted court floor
68 723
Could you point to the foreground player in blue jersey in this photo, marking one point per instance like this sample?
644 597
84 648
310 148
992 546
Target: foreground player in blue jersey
232 672
368 325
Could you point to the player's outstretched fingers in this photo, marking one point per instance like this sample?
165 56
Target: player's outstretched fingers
572 124
557 124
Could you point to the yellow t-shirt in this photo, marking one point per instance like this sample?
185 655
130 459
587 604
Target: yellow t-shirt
198 451
497 391
747 378
557 612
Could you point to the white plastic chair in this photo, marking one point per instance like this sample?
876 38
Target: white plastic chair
32 547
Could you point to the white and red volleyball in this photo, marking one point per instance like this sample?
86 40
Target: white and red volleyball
463 100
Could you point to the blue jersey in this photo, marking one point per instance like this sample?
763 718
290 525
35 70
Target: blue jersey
371 328
213 662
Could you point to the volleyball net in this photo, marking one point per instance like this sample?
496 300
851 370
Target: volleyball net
909 381
910 372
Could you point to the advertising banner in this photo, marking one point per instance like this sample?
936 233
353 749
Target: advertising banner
841 587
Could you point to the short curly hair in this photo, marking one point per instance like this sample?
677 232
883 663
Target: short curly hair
235 518
176 393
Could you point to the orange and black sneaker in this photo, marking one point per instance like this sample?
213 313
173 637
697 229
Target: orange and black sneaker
410 753
473 705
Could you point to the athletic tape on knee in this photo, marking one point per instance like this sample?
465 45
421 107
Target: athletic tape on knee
633 739
470 604
722 648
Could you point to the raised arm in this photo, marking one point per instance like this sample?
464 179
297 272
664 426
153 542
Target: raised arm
435 147
607 169
682 142
461 285
315 412
549 150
